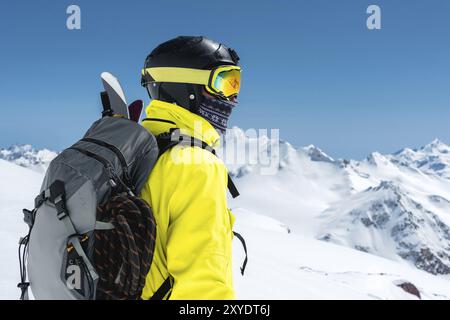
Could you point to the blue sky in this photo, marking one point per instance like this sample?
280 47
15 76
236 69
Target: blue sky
311 68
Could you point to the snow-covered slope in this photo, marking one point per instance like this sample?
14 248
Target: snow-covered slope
316 227
18 188
286 265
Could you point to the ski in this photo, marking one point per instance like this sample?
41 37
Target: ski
135 110
115 96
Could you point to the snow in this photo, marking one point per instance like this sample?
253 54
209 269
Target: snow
290 266
432 159
18 187
319 198
316 227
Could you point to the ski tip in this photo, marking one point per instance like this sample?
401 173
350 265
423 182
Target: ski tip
107 75
118 103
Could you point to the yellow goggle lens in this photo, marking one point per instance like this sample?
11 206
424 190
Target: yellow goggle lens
224 80
227 82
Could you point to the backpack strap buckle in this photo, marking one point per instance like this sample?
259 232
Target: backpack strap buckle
28 216
41 198
23 286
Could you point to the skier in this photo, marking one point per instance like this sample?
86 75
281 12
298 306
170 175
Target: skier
193 83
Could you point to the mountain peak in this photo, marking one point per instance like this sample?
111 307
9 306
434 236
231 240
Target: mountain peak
377 159
316 154
387 185
436 146
437 141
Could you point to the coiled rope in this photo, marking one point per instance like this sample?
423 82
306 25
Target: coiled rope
122 256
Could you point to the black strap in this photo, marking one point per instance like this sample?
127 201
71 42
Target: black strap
107 111
58 198
168 140
165 142
23 286
232 188
41 198
160 120
163 290
241 238
23 255
53 193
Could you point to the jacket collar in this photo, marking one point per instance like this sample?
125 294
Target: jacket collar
162 116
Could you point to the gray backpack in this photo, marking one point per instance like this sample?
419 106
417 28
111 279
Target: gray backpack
115 157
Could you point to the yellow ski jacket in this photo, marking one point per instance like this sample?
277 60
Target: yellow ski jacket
187 190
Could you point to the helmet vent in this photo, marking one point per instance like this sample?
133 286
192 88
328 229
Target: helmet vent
234 55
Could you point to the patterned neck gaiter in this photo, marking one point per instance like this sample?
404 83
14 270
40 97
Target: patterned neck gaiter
216 112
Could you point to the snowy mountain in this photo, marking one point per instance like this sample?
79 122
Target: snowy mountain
28 157
285 183
433 159
315 154
322 228
393 206
387 222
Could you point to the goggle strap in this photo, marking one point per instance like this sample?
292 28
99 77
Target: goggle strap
181 75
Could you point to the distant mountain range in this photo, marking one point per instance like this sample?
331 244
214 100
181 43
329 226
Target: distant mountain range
28 157
396 206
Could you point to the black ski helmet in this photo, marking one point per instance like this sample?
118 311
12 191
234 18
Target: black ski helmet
195 52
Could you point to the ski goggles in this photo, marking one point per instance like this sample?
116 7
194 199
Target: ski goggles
223 81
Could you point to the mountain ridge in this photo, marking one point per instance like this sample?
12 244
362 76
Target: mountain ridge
25 155
313 194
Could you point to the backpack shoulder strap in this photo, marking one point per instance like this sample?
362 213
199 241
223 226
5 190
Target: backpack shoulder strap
163 290
168 140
